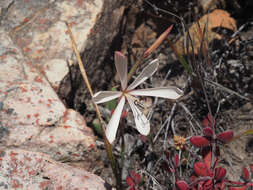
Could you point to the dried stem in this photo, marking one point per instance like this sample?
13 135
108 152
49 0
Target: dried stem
86 80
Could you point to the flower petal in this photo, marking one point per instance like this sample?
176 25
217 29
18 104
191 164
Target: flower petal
113 124
162 92
105 96
121 66
147 72
142 124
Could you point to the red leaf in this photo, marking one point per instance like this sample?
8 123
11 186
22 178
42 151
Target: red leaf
143 138
200 169
193 178
130 181
245 174
251 168
207 157
236 183
207 121
124 114
167 154
200 185
225 136
132 174
220 186
207 131
208 184
250 185
220 173
199 141
165 167
238 188
182 185
176 160
172 170
136 177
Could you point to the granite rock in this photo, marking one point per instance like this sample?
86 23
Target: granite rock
35 56
21 169
32 115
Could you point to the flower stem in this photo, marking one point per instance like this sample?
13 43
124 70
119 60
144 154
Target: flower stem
86 80
133 69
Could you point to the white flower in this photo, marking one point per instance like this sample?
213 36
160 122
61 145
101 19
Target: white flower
129 93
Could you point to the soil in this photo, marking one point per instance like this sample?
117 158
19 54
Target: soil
229 64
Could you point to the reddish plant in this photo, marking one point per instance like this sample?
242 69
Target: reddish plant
209 121
172 163
182 185
207 174
202 141
123 114
209 135
246 184
133 180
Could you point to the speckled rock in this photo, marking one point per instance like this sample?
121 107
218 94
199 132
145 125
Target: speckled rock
31 114
33 118
39 28
20 169
35 55
69 140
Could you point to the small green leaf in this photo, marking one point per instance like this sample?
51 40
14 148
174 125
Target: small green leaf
182 60
111 105
185 64
1 105
249 132
97 126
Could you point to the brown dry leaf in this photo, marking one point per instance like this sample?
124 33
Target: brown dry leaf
142 35
217 18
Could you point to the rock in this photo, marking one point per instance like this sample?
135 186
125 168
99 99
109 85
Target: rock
55 71
69 140
32 116
32 103
35 56
20 169
39 29
96 56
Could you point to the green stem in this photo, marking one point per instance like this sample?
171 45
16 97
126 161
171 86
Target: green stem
133 69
